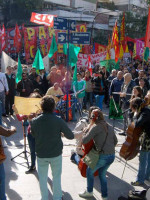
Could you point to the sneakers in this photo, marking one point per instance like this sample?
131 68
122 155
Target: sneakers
86 194
122 134
31 170
136 183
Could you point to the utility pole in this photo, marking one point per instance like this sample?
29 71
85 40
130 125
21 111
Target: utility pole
129 4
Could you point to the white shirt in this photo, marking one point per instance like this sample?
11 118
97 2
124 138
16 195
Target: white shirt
3 83
78 132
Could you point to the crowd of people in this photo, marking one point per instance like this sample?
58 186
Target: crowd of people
128 86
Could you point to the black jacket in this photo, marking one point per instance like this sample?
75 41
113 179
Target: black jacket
99 86
11 84
143 120
27 85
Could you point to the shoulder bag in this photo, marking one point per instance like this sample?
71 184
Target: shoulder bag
92 157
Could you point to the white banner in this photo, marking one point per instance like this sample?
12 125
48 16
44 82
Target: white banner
6 61
83 59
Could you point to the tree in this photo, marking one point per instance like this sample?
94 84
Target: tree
19 9
135 25
101 36
147 1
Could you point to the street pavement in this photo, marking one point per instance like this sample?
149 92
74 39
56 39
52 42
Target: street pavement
20 186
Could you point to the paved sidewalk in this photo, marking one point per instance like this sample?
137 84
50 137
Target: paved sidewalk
20 186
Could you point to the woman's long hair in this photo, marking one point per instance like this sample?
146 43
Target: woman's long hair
138 103
140 92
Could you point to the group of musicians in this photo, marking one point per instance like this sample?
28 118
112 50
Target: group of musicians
49 151
135 103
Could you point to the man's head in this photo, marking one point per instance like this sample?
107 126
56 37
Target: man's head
33 70
54 69
127 78
120 75
47 104
9 70
56 86
114 72
141 74
24 76
41 71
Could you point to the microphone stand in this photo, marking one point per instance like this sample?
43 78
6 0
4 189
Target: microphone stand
116 112
24 152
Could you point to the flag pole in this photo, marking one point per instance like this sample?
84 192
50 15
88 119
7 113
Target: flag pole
68 27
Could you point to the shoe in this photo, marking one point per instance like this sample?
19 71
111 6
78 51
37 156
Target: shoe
31 170
4 115
137 183
86 194
122 134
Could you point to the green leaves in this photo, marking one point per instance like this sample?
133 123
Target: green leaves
135 25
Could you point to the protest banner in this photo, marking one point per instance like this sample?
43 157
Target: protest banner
83 59
140 48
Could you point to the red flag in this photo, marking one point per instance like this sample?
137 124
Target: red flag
17 39
89 65
45 19
115 41
3 35
147 38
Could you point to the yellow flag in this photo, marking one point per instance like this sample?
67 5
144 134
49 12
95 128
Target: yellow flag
134 51
127 50
121 52
107 56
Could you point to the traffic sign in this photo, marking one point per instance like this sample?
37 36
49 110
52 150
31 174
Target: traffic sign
80 38
60 23
62 38
72 24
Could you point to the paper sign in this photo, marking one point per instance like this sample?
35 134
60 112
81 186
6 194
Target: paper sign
26 106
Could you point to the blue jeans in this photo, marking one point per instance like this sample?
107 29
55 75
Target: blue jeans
102 166
2 99
2 182
56 167
144 166
99 101
88 96
31 142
